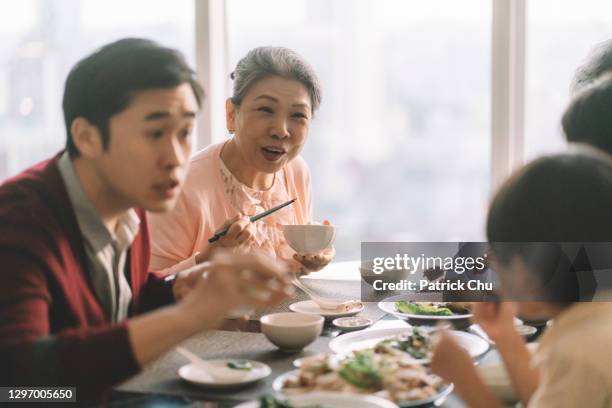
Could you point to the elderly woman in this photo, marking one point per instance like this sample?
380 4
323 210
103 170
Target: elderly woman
275 95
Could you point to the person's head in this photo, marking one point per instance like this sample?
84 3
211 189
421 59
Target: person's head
588 119
565 198
275 95
129 110
597 63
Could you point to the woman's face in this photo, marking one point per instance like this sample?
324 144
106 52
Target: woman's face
271 124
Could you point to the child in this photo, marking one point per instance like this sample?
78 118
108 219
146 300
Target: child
556 199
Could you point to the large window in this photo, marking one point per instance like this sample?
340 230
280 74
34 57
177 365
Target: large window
560 33
400 148
40 40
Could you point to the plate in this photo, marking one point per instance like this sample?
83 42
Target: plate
437 399
194 375
332 400
352 323
310 307
388 305
346 343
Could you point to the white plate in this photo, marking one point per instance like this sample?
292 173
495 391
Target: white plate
437 399
388 305
194 375
332 400
310 307
346 343
358 323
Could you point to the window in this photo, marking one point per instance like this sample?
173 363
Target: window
560 35
40 40
400 147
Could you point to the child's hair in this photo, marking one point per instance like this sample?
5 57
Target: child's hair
564 198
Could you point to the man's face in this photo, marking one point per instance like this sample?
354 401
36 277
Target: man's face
150 143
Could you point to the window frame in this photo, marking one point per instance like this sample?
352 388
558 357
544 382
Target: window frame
508 61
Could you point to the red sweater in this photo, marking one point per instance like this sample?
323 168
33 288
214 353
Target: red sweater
53 330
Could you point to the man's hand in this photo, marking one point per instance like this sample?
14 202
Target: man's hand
185 281
231 280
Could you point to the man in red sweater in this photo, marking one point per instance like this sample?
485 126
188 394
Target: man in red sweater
75 292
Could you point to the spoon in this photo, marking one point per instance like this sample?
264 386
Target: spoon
214 373
324 303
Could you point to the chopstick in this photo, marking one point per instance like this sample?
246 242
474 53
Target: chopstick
254 218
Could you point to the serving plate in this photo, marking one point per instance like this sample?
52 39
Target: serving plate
347 343
388 305
330 399
310 307
436 400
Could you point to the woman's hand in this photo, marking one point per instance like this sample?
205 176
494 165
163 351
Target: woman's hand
316 262
239 234
240 231
495 318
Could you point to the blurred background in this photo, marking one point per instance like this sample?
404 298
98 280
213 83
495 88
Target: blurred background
401 147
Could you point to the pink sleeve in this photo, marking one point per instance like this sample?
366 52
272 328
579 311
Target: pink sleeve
174 236
300 185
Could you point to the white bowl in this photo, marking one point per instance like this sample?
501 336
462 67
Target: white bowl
291 331
309 238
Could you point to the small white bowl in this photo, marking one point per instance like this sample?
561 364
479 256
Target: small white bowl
291 331
309 238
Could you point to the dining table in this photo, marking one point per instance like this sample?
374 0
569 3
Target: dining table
159 385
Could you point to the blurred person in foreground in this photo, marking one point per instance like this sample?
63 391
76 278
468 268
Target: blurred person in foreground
77 298
597 63
565 198
275 96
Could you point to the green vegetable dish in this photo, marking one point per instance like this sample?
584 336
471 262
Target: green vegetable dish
423 308
417 344
240 365
361 371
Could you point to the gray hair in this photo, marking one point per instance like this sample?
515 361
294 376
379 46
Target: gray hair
263 62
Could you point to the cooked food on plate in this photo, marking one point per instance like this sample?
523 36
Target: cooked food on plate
417 344
393 376
433 308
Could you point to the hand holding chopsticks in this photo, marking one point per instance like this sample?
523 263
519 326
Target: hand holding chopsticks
254 218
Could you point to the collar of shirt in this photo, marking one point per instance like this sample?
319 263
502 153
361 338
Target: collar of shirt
92 227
